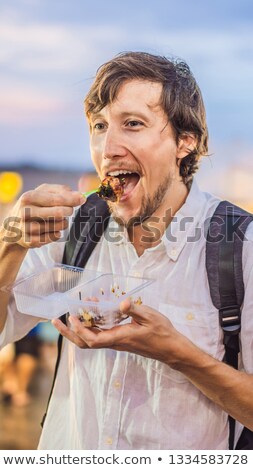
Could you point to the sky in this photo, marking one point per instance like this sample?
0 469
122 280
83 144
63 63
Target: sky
50 50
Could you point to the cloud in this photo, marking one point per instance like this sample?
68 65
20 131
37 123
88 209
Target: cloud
41 47
22 105
37 47
47 57
211 50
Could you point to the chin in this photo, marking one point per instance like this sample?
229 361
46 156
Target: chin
124 216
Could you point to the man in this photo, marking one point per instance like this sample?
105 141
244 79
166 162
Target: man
157 382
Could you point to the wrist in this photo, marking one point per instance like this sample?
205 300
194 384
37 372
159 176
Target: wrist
11 257
185 355
8 246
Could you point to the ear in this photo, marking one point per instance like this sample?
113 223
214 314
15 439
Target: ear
186 144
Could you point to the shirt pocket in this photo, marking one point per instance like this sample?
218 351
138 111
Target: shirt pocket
201 326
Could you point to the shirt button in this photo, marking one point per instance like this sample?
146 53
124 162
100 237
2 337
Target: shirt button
190 316
117 384
137 274
109 441
173 252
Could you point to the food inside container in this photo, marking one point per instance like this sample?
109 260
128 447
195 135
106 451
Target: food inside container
97 302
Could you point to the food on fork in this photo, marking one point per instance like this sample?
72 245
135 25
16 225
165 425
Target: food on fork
116 185
111 188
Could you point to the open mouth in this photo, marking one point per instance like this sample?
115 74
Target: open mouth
128 178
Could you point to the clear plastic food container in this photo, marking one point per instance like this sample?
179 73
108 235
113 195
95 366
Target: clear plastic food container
92 296
45 293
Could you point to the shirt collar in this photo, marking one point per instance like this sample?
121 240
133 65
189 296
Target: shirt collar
184 223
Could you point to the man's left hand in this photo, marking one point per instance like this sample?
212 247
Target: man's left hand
150 334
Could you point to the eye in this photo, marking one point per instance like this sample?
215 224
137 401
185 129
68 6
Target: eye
134 123
99 126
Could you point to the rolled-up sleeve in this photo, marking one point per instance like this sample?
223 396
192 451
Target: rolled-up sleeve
18 324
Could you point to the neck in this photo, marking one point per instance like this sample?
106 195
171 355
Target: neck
149 233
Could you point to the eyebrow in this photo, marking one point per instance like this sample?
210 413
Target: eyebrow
93 116
123 114
134 113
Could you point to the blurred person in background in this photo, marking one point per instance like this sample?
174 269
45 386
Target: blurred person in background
7 379
48 337
158 382
19 373
88 183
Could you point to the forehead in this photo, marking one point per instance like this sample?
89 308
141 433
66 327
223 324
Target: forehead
143 91
136 95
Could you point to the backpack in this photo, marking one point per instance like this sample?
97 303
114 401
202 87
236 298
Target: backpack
224 243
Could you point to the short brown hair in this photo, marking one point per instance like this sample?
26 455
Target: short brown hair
181 97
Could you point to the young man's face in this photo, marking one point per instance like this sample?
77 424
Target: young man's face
132 136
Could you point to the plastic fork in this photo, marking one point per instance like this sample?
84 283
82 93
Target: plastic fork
88 193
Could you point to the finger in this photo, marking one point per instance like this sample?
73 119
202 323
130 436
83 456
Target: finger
51 199
68 333
140 313
45 213
78 326
52 188
43 226
36 241
93 337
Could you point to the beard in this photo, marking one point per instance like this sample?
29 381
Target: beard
149 205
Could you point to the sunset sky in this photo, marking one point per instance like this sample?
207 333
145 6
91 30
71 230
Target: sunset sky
50 50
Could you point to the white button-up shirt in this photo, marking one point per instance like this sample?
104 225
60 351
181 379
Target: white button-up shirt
104 399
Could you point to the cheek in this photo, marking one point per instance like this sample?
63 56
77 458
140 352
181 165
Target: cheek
167 157
161 160
95 155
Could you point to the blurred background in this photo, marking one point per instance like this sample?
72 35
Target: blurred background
49 53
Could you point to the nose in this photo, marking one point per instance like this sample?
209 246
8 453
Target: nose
113 144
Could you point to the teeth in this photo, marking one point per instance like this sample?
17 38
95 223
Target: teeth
119 172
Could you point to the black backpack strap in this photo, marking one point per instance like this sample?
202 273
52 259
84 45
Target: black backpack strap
59 348
225 276
89 225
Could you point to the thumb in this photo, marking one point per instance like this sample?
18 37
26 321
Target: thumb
140 313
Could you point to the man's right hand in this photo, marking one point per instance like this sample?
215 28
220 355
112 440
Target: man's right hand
39 215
